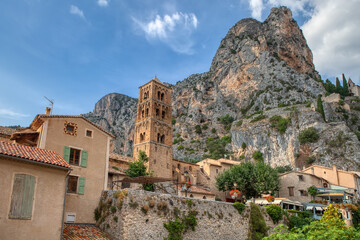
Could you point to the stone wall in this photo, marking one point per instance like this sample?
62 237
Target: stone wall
137 214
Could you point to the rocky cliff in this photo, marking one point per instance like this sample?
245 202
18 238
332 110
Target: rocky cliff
261 79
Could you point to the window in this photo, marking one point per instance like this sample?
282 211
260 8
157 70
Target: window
163 114
291 191
157 112
74 156
158 95
325 185
70 128
204 197
72 184
162 96
22 197
162 139
303 193
191 195
217 171
301 178
75 184
88 133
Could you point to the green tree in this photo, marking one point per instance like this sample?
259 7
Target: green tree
138 169
320 108
308 135
253 179
345 86
312 191
329 86
339 88
257 155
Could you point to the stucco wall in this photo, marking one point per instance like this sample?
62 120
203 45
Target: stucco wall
47 206
215 220
97 162
292 180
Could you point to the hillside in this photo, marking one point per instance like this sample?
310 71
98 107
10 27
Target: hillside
259 94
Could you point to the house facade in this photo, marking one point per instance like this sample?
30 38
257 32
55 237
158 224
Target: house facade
32 186
337 177
85 146
294 185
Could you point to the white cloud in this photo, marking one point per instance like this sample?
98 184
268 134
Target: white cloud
175 30
76 11
256 7
6 113
333 35
103 3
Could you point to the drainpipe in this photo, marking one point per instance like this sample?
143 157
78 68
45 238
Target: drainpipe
63 212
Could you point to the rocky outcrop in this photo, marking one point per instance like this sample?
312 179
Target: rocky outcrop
116 113
261 70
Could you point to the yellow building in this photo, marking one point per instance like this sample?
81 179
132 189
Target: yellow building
85 146
32 195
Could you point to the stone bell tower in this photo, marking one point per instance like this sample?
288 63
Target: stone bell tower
153 129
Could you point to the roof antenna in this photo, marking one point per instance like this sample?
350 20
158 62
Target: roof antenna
51 102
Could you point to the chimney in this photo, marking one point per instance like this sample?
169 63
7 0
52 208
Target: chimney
47 111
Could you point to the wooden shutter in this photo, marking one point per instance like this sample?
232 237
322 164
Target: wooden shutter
22 197
81 187
84 155
66 153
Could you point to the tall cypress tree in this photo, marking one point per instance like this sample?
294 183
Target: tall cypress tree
320 107
345 86
338 87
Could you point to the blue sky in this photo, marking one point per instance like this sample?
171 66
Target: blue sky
75 52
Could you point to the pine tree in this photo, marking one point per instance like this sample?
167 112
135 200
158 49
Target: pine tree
339 89
329 86
320 108
345 86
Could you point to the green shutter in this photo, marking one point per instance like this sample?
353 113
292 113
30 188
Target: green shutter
26 210
84 155
81 185
22 197
66 153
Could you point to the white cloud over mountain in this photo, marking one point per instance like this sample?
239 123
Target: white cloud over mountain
175 30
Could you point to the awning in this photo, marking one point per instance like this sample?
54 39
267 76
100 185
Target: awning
319 208
309 208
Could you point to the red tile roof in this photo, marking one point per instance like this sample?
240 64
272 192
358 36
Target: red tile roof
78 231
6 131
32 153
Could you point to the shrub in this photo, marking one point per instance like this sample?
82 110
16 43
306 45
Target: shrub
226 139
300 220
239 123
198 129
213 130
145 208
258 228
275 212
180 147
307 104
310 160
175 229
115 219
279 123
283 169
243 146
242 156
173 121
239 206
257 155
97 214
358 135
308 135
226 120
258 118
113 209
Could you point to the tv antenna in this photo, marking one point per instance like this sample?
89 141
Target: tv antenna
51 102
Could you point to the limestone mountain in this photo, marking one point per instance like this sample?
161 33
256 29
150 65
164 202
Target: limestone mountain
259 94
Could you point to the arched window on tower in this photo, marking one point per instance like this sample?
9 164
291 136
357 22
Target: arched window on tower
159 95
158 137
144 136
142 113
157 112
162 139
163 114
141 137
162 96
147 112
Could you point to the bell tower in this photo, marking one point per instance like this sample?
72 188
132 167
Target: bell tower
153 129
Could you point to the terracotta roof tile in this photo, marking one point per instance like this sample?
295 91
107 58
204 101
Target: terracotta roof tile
80 231
6 130
32 153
